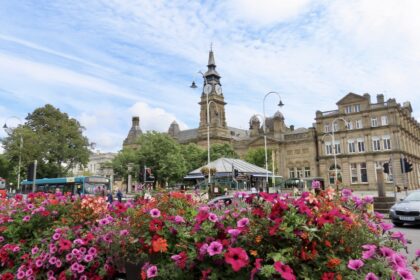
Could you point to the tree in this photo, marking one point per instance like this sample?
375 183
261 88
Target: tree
5 171
52 138
221 150
257 156
123 160
193 156
163 155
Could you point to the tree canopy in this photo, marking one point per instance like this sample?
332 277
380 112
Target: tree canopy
52 138
221 150
257 156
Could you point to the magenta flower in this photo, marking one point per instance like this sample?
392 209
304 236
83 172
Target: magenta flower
123 232
179 219
80 268
215 248
234 232
242 222
20 274
38 263
355 264
285 271
387 252
371 276
34 250
405 274
203 249
316 184
56 236
213 217
155 213
386 226
26 219
69 257
92 251
58 263
346 192
398 261
418 253
399 236
52 260
369 251
88 258
152 271
29 272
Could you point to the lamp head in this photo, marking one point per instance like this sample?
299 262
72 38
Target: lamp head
281 104
193 85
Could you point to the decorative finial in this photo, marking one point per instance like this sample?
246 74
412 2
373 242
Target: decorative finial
211 46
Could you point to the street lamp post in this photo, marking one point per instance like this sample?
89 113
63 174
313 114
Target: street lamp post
265 135
193 85
335 150
9 131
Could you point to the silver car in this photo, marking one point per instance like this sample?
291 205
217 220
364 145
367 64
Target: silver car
407 211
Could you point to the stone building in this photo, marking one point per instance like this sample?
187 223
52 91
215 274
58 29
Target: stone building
366 135
97 165
131 140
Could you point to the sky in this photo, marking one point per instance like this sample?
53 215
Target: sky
104 61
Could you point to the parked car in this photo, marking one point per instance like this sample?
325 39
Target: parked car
407 211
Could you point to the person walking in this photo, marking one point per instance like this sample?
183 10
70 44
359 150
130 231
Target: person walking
109 197
119 195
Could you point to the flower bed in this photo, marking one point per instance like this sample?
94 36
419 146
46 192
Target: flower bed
315 236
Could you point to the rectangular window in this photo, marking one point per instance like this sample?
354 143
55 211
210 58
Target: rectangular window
349 125
291 173
363 172
376 144
359 124
352 146
347 109
327 128
299 172
337 147
353 172
374 122
307 171
384 120
357 108
361 145
387 142
328 148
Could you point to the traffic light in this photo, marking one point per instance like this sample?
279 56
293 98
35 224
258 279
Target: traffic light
406 166
236 172
386 167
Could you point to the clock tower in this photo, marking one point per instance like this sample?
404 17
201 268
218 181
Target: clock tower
213 99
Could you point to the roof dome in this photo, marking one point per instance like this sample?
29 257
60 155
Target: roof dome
278 115
254 119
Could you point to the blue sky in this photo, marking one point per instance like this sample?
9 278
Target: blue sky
104 61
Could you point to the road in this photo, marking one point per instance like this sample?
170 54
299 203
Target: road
412 233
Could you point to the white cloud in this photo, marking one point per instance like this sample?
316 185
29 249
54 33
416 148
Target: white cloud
266 11
154 118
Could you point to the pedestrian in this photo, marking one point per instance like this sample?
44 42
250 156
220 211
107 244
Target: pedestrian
109 197
119 195
79 190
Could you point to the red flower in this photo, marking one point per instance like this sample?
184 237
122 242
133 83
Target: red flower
328 276
155 225
285 271
237 258
7 276
64 244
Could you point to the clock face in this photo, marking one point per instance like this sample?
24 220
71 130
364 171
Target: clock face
207 89
218 89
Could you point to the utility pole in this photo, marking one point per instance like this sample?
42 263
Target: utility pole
34 177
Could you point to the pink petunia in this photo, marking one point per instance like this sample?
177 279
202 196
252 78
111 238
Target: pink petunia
405 274
418 253
26 219
399 236
213 217
234 232
237 258
398 261
242 222
285 271
369 251
152 271
355 264
386 226
154 213
371 276
215 248
179 219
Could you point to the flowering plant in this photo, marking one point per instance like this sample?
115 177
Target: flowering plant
322 235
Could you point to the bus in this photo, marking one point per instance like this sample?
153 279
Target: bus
88 185
3 190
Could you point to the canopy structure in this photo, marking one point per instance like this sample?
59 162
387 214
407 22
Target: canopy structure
226 166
